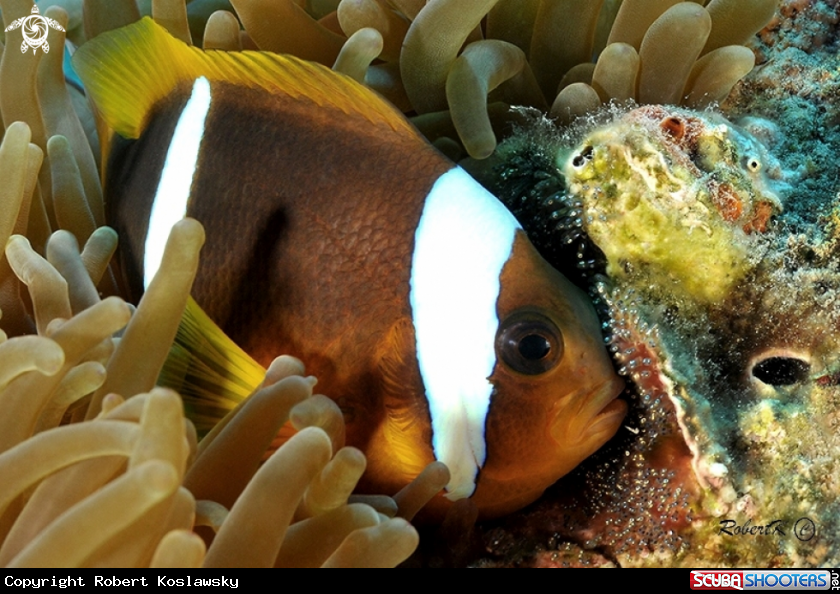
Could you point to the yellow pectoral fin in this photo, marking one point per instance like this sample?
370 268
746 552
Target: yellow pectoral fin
401 445
211 372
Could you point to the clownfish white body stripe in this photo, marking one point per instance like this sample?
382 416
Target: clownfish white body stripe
173 192
335 233
463 240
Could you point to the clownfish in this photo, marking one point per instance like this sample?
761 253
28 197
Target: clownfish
336 233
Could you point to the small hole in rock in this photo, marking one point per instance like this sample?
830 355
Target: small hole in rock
674 127
781 371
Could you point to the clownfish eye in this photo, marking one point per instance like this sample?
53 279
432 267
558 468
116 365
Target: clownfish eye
529 343
534 347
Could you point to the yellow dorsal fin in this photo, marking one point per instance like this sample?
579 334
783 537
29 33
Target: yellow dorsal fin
128 70
210 371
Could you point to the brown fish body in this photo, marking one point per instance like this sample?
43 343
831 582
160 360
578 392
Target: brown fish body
309 239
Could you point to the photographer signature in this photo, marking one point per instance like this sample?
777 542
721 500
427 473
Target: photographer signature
804 528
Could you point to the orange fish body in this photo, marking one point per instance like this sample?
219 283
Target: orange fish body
337 234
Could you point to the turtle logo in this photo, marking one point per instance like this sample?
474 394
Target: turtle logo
35 30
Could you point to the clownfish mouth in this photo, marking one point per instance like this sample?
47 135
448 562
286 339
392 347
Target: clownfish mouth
590 417
609 417
602 411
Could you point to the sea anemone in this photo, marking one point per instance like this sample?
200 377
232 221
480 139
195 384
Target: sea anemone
126 487
571 55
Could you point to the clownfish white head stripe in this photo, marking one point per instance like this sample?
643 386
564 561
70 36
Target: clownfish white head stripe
462 242
173 192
